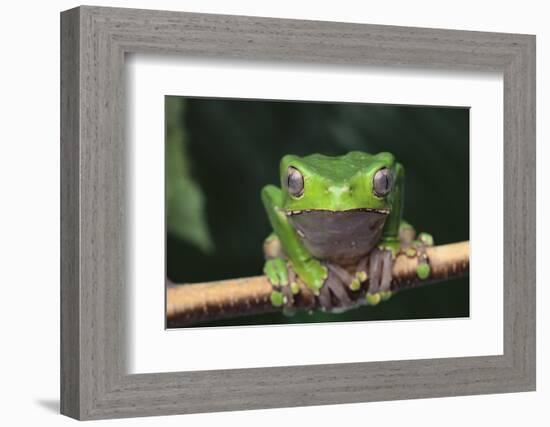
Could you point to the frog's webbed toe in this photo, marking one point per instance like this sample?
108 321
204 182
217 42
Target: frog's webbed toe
288 291
380 274
325 297
385 280
339 288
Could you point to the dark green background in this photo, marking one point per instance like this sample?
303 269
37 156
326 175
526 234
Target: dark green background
225 151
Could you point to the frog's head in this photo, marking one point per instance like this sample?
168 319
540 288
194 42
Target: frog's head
355 181
338 205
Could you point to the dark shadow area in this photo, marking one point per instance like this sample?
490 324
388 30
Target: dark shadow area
51 405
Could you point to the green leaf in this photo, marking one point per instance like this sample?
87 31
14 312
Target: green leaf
185 202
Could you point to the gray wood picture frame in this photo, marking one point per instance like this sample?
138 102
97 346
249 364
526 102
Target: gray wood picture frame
94 42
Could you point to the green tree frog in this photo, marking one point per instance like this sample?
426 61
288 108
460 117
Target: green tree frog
337 221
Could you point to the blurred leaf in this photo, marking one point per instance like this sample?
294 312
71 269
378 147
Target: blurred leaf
185 202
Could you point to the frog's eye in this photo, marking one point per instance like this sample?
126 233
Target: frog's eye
295 182
382 182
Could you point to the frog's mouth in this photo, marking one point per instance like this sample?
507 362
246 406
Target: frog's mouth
339 236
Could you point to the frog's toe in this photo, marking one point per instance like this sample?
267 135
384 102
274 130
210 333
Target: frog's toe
361 275
276 271
380 276
270 272
375 271
288 296
351 282
380 271
325 298
374 299
406 233
282 298
277 298
387 266
385 295
339 290
426 239
423 269
278 275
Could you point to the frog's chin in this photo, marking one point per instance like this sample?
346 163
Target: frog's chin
339 236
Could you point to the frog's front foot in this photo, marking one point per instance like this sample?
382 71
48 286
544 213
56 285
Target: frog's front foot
380 275
283 282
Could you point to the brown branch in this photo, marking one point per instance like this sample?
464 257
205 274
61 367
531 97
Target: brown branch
200 302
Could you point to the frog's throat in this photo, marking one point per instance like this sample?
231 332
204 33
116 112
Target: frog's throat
339 236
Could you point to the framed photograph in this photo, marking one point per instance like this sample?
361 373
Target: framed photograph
263 213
